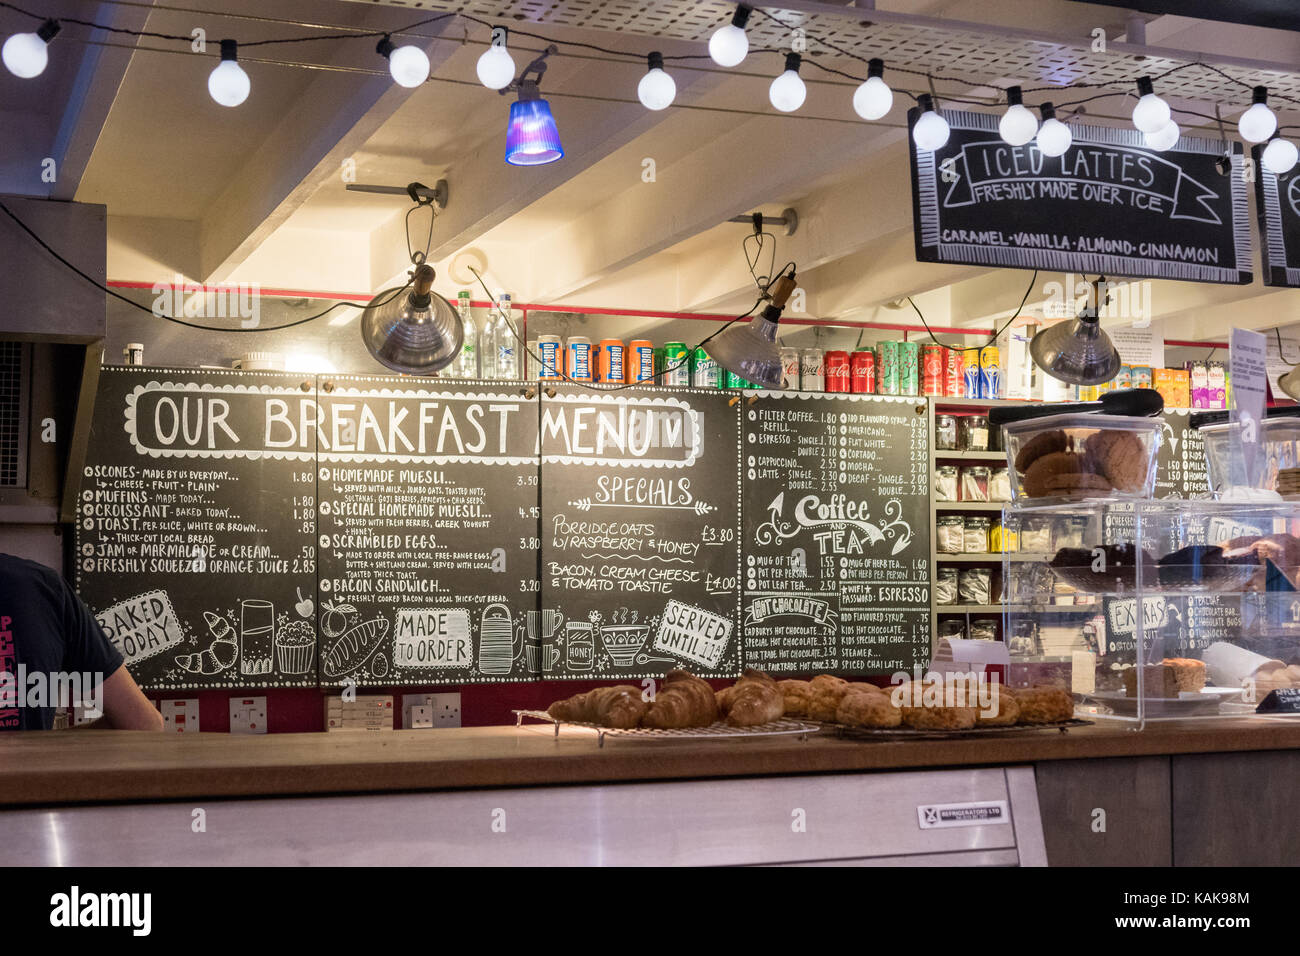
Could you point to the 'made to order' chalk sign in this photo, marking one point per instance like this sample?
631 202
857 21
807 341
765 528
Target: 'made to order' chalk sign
1108 205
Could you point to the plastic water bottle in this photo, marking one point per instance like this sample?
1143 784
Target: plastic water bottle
506 348
466 364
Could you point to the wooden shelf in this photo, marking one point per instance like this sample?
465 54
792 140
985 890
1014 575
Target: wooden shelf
998 456
970 505
988 557
968 609
941 402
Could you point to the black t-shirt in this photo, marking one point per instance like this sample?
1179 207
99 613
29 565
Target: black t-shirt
48 640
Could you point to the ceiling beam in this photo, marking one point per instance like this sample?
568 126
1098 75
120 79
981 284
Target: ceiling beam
337 113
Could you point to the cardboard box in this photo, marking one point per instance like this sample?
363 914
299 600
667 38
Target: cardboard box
1174 386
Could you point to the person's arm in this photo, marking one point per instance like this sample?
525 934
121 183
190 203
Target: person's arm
125 706
87 650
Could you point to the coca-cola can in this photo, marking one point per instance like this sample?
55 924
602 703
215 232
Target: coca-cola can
790 372
837 371
862 372
812 370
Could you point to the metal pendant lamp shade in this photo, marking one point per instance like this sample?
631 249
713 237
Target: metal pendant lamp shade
416 332
749 350
1077 351
1290 383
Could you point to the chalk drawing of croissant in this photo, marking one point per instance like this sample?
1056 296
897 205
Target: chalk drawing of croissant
219 655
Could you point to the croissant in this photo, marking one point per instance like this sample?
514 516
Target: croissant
754 699
620 707
571 708
683 701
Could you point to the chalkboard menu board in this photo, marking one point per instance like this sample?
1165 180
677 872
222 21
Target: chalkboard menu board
1277 203
428 518
1181 471
837 544
195 537
1107 205
641 498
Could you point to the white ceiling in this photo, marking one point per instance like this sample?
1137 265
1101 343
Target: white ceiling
256 194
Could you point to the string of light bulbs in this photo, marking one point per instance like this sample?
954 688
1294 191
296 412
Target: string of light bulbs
533 139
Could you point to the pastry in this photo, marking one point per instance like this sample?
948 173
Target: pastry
866 709
683 700
1189 674
1116 569
827 692
1121 457
997 707
1078 485
1043 705
754 699
619 707
1158 681
1195 565
797 695
1044 469
939 718
1044 443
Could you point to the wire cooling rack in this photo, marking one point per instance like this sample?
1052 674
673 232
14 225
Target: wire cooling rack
909 733
716 731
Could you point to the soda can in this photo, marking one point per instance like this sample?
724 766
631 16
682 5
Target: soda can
971 385
659 365
953 384
812 370
934 369
862 372
887 377
611 362
790 369
550 354
990 372
640 362
704 370
837 371
909 368
732 380
578 359
677 365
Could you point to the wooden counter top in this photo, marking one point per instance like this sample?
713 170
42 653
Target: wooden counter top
95 766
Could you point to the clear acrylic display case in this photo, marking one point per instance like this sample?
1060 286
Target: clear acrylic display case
1153 610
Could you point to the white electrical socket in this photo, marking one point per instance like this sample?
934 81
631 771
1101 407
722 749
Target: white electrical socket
248 715
409 703
419 718
181 716
446 710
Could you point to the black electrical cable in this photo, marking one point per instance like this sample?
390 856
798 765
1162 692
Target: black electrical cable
994 337
192 325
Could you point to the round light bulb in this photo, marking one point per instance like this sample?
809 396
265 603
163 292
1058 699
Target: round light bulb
729 45
1054 137
496 68
1280 156
1151 113
931 131
1163 138
787 92
873 99
228 83
1257 124
1018 125
409 66
25 55
657 90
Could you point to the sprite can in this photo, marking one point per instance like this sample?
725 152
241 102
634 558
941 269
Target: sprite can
732 380
676 366
704 370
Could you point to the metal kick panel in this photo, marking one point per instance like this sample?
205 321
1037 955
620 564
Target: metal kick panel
976 56
718 822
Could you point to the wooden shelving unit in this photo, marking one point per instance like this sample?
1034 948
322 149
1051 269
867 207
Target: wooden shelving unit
943 456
